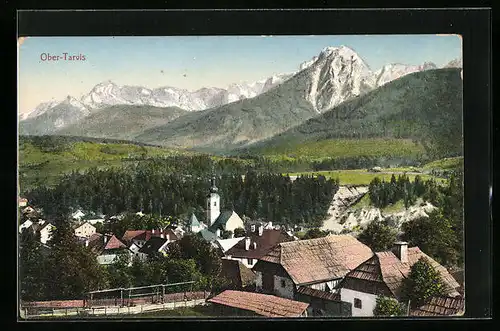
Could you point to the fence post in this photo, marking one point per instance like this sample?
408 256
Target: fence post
105 314
26 313
93 311
66 309
141 309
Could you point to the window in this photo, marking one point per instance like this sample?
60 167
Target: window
283 283
250 261
215 203
357 303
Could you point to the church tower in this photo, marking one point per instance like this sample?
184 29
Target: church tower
213 203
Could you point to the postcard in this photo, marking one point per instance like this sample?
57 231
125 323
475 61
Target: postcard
240 176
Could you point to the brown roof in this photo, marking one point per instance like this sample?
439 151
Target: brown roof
96 242
265 243
261 304
321 259
129 235
114 243
237 273
386 268
441 306
318 293
145 235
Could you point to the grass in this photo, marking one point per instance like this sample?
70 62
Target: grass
37 166
394 208
358 176
447 163
336 148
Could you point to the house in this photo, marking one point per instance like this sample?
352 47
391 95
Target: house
22 202
77 215
95 221
238 303
112 249
84 230
223 245
193 225
25 225
322 303
440 306
140 237
179 231
319 263
256 245
218 221
46 232
153 245
383 274
237 275
28 210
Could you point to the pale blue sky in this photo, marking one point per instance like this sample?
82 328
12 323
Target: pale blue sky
194 62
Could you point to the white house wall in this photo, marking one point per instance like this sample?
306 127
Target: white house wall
234 222
45 235
284 292
368 301
86 230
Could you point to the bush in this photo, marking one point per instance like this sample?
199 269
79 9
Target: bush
388 307
422 283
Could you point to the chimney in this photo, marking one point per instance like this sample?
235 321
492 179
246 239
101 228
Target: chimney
261 229
252 228
168 236
217 233
247 243
162 235
401 251
105 238
254 245
87 242
270 224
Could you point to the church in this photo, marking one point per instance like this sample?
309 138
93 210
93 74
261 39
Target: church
217 221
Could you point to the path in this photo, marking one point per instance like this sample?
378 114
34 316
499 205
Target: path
342 200
116 310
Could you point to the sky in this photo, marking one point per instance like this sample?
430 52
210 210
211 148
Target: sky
192 62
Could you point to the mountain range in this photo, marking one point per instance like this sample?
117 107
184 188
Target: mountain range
215 118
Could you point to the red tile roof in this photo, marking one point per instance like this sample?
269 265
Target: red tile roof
129 235
321 259
386 268
261 304
441 306
265 243
114 243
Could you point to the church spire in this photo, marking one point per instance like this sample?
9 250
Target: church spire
213 187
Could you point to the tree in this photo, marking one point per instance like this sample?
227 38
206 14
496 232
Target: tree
422 283
378 235
32 266
226 234
119 272
239 232
196 248
72 268
386 306
434 235
314 233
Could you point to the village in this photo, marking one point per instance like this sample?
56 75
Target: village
271 271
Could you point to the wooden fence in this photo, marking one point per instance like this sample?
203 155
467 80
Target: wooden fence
108 307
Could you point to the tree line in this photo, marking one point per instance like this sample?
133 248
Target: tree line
153 190
66 269
440 235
